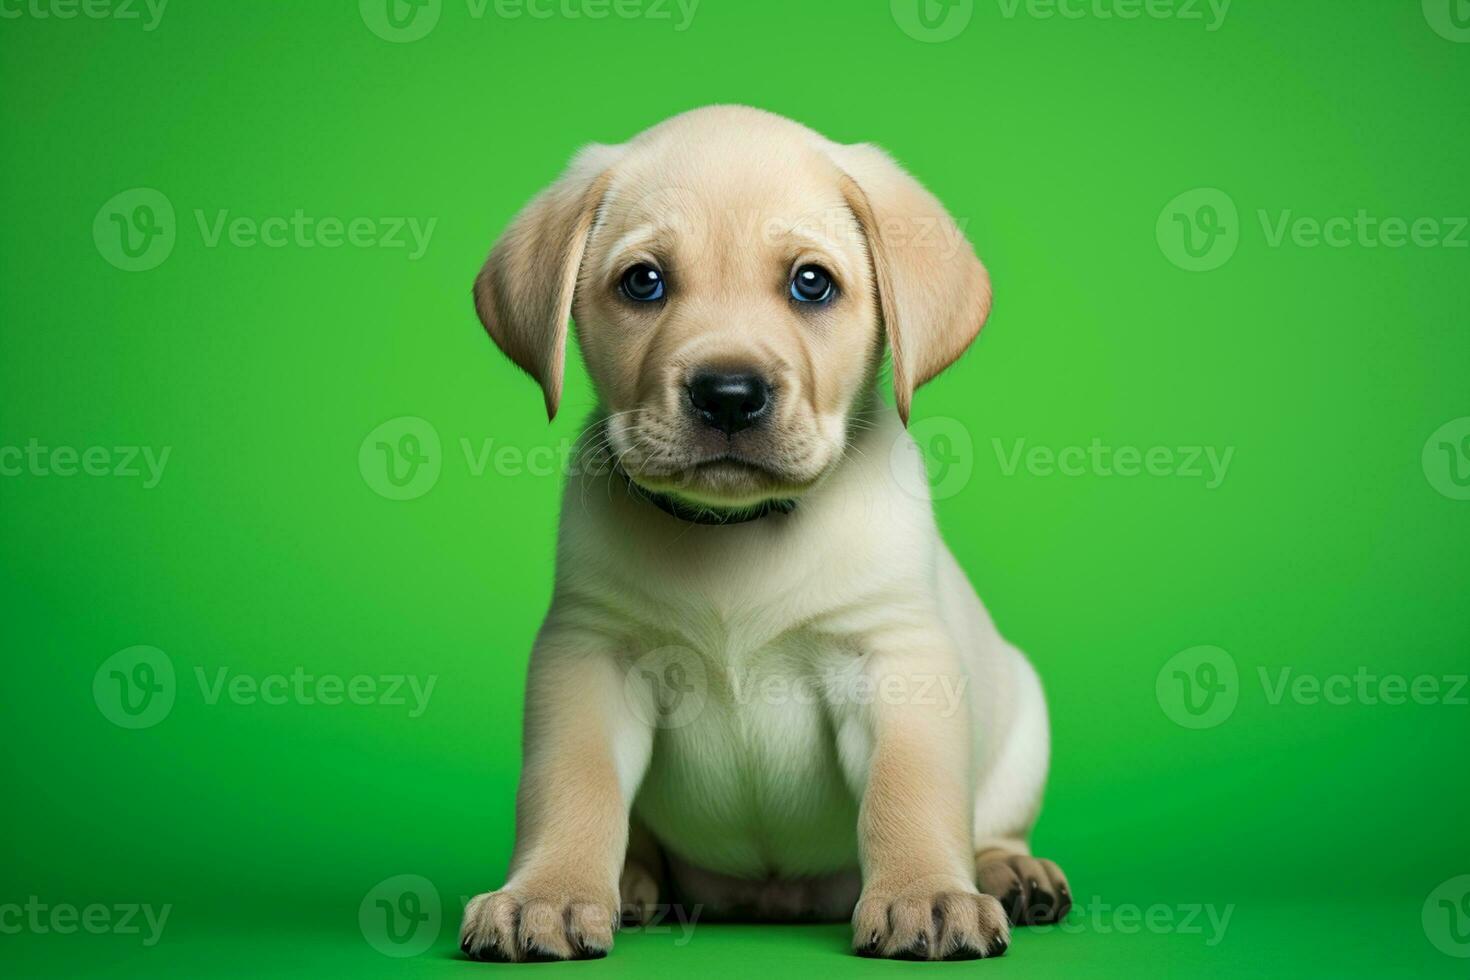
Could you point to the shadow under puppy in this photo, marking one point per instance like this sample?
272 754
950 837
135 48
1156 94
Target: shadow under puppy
764 686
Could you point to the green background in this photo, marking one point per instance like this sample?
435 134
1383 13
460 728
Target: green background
264 548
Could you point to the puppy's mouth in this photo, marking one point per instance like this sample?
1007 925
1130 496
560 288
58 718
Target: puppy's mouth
722 482
696 469
734 466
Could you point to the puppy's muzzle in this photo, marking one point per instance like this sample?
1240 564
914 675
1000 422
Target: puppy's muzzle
729 401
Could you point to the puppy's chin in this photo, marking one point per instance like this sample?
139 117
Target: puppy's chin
717 473
723 485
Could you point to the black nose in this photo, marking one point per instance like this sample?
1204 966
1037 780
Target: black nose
729 402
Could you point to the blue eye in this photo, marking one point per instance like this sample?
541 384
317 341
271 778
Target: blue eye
643 284
811 284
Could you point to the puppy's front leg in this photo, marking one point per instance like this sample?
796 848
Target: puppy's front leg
919 899
585 752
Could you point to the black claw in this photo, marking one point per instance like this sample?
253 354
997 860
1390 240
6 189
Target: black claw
917 950
535 954
965 952
485 954
999 948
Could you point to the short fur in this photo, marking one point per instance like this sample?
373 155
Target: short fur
861 742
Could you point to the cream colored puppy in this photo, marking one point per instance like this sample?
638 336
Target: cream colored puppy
765 688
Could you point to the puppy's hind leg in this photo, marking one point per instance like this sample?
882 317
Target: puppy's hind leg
642 883
1033 891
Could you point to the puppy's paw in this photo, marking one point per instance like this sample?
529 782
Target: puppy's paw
530 924
931 919
637 894
1033 891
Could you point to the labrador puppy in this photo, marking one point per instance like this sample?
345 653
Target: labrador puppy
764 689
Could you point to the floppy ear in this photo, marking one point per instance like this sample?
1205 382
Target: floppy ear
524 292
933 292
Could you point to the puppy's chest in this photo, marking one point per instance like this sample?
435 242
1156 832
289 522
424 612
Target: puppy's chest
744 777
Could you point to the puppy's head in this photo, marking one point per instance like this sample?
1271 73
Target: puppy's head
733 277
